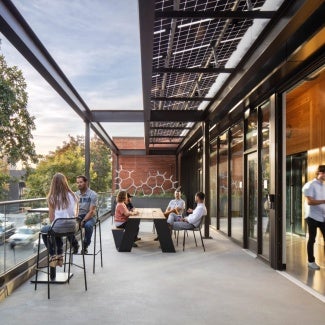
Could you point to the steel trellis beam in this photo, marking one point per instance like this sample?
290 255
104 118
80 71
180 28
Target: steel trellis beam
215 14
15 28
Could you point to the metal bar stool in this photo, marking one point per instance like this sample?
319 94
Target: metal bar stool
100 249
52 276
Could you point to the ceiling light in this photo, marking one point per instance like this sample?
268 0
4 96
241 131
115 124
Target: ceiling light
157 57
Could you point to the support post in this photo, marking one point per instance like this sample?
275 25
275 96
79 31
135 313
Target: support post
87 150
206 174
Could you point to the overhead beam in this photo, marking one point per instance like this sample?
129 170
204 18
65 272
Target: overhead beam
181 99
117 116
176 116
132 152
225 14
164 142
15 28
162 152
170 128
166 136
146 21
192 70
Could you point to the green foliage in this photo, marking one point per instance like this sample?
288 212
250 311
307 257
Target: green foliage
70 160
16 124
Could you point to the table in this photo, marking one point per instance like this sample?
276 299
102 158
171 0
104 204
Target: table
59 277
155 214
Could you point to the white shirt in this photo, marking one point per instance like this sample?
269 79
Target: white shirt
195 217
70 211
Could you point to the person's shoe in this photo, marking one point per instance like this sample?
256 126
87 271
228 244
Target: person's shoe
75 249
53 261
156 239
134 245
313 266
84 249
137 238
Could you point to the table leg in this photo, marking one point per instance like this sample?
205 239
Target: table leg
130 232
165 239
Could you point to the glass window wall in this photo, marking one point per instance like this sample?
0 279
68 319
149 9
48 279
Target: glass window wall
237 181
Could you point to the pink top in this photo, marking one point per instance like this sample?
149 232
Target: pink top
121 212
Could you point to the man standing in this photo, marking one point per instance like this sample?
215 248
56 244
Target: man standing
87 209
314 192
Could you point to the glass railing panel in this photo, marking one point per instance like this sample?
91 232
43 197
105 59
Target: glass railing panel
20 226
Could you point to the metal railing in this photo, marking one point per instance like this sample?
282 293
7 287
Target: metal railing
19 229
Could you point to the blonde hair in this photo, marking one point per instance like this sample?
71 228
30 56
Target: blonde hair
58 196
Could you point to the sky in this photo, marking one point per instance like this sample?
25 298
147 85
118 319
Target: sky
97 46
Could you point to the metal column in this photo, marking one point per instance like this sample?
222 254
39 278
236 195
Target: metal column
206 173
87 150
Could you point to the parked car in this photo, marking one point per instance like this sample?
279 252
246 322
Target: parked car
24 236
35 245
6 230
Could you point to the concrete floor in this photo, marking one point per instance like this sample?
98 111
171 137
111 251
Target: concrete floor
224 285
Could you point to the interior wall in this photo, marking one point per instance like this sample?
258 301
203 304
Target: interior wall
305 121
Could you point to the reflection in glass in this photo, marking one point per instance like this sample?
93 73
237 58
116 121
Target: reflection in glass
265 165
213 185
223 183
237 173
252 195
251 133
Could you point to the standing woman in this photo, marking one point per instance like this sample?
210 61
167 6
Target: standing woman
62 203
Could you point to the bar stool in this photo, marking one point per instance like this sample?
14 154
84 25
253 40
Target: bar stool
100 249
51 271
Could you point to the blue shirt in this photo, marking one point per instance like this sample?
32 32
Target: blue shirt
86 200
316 190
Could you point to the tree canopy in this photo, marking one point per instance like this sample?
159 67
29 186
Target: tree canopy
16 124
69 159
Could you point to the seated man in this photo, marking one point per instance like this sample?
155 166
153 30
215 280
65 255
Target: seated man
193 219
177 205
175 208
87 212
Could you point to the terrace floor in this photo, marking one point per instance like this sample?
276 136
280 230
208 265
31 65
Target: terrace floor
224 285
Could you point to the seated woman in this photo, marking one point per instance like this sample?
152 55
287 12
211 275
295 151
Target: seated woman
62 203
122 213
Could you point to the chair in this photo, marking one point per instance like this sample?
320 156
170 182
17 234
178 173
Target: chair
51 271
198 228
100 250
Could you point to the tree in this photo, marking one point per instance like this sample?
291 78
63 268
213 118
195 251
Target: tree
101 165
69 159
16 124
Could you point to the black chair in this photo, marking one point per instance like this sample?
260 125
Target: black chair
100 249
198 228
51 271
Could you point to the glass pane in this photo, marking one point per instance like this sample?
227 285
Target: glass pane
251 134
223 183
237 173
213 185
265 159
252 194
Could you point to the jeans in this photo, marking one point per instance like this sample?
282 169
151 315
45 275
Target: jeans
53 244
89 227
312 230
173 217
